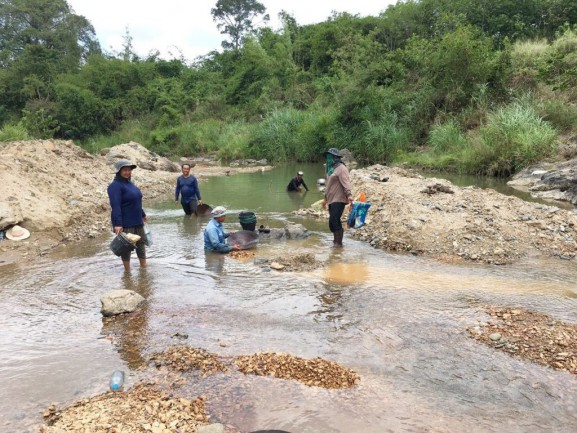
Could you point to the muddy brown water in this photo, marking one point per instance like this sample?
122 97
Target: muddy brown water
399 321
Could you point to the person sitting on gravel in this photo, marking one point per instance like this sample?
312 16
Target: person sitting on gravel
127 214
296 182
214 234
187 188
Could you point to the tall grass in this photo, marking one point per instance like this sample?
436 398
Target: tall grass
14 132
529 54
514 137
381 141
290 134
133 130
447 137
446 147
561 113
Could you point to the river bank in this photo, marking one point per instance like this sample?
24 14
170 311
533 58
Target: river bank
410 215
58 192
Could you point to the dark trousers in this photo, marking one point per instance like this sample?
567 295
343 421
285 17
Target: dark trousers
335 213
140 250
190 208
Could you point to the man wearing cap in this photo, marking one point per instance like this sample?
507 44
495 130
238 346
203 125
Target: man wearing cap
296 182
214 234
337 194
126 213
187 188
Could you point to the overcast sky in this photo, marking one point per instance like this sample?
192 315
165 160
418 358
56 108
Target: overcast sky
176 27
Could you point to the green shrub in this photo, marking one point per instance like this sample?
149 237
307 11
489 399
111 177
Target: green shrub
514 137
560 113
290 134
529 54
381 141
13 132
132 130
447 137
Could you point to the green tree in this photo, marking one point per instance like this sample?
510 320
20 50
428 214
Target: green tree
49 24
235 19
39 39
463 61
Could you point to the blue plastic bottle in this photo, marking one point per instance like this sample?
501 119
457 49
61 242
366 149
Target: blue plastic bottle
117 381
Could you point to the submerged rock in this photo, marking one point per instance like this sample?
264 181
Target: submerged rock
120 301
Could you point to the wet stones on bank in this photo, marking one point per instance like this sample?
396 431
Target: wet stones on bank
155 406
531 336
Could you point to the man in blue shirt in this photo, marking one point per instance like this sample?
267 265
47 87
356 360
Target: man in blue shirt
187 188
214 234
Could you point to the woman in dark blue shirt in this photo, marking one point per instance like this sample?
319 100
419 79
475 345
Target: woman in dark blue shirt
127 214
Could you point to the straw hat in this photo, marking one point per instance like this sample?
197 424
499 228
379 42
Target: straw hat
218 211
17 233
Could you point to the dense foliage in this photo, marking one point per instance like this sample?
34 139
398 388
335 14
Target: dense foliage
478 87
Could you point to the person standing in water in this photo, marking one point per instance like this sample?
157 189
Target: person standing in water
126 213
337 194
187 188
296 182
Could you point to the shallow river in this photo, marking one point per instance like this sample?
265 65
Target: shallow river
399 321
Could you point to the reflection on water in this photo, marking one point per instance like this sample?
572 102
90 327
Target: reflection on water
399 321
128 332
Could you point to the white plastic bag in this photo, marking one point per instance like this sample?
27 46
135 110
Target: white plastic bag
147 236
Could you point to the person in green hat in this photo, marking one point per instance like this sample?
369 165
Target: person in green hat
337 194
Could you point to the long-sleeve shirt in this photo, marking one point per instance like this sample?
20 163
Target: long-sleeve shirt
187 188
295 183
338 186
214 237
126 203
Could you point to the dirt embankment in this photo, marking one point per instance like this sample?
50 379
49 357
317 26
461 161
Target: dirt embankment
57 190
433 217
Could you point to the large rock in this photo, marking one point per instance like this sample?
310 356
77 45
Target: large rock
292 231
120 301
552 181
297 231
10 212
142 157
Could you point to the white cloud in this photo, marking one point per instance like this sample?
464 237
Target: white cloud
186 26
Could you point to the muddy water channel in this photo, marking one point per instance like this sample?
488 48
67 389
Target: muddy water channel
397 320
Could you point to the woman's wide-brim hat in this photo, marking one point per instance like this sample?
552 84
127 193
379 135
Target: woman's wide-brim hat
17 233
121 163
334 151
